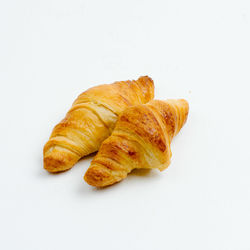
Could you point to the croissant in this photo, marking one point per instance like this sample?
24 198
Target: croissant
141 139
91 120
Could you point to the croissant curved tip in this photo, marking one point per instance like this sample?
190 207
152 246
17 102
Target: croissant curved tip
178 101
98 177
58 160
146 77
146 84
184 102
182 108
54 165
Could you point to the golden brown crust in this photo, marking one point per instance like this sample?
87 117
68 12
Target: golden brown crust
141 139
91 120
145 125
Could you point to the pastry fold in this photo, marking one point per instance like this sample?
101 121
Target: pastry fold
141 139
91 120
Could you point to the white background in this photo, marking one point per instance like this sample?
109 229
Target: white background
52 50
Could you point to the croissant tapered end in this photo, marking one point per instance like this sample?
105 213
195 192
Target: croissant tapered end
181 107
98 176
147 86
59 159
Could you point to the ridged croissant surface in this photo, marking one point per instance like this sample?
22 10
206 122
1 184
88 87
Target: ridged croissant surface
91 120
141 139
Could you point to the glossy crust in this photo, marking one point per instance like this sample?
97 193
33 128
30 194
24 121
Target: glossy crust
91 120
141 139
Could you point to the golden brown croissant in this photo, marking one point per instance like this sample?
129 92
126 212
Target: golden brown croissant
141 139
91 120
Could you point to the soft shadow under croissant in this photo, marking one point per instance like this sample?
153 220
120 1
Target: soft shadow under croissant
141 139
91 120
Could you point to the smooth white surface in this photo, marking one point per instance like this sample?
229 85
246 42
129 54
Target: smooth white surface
51 51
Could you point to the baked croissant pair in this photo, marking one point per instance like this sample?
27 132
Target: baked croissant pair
123 122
